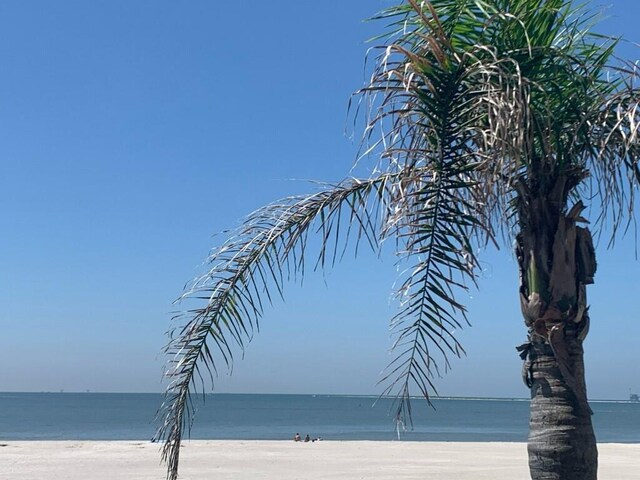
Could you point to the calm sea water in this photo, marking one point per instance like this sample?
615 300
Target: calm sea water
104 416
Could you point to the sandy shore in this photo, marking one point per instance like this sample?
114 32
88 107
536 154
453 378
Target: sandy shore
273 460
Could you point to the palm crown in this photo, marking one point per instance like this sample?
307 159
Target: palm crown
495 116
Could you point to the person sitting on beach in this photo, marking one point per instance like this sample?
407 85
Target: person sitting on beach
307 439
296 438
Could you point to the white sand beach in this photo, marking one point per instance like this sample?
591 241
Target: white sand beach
269 460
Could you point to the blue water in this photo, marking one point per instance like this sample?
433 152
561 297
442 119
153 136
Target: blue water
128 416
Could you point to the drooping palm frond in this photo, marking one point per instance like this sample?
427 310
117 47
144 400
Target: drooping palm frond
247 270
427 109
436 234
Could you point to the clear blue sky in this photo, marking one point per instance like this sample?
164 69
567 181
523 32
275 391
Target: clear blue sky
132 131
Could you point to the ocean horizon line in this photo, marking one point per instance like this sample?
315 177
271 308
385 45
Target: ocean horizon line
340 395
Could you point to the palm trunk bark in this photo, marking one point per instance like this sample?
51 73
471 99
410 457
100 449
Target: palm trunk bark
562 445
557 261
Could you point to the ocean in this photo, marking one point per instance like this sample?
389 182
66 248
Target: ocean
130 416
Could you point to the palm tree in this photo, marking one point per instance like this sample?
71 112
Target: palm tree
501 121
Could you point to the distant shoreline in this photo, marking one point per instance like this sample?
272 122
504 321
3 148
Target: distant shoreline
340 395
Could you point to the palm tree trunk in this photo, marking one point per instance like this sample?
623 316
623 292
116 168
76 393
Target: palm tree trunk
557 261
562 445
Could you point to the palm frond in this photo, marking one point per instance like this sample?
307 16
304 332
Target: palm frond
433 111
613 154
250 268
435 231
